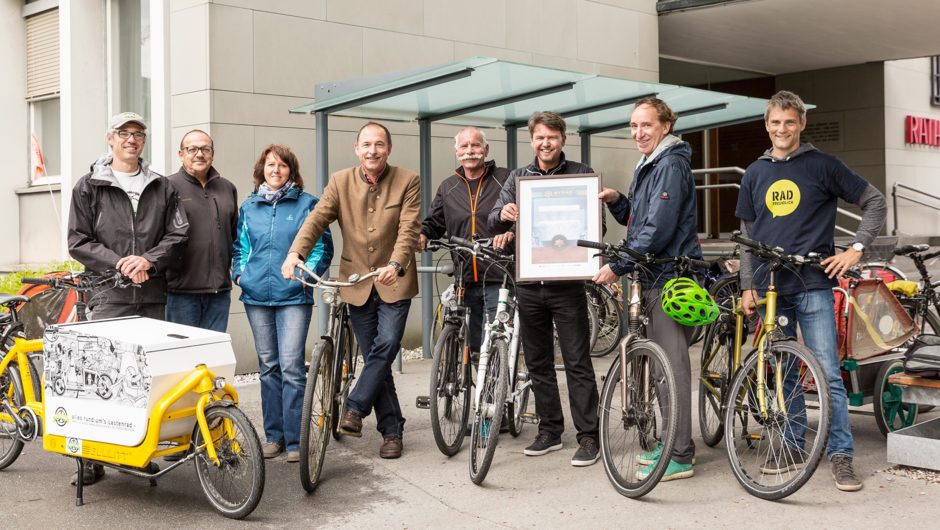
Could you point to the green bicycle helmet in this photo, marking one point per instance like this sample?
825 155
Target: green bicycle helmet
687 303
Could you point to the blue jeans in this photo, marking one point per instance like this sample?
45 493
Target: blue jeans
481 298
379 327
206 311
280 334
814 311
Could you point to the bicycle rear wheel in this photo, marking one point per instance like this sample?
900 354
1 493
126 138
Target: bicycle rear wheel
342 380
234 487
11 389
519 400
714 378
315 416
609 319
773 455
637 416
450 391
484 434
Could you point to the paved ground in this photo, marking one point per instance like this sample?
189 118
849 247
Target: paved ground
425 489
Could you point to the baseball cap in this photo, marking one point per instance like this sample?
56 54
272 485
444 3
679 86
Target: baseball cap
119 120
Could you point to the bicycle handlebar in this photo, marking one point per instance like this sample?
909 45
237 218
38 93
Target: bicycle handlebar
321 282
84 281
480 246
776 254
612 251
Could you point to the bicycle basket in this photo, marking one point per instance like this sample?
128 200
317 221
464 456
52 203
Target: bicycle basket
876 322
881 249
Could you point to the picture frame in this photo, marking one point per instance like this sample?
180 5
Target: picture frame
554 212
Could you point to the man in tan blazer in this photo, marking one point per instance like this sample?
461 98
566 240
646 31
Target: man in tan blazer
378 208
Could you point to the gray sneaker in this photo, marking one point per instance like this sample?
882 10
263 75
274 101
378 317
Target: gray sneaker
271 449
544 443
587 454
783 460
844 474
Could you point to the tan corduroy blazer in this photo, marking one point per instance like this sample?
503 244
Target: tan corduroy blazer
379 223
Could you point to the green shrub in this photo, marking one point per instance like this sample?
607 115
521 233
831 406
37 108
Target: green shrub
10 283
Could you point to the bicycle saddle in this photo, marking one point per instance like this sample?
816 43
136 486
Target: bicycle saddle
12 299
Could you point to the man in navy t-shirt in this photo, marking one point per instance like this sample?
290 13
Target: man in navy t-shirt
788 199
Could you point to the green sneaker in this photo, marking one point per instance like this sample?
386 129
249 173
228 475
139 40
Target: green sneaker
674 471
650 457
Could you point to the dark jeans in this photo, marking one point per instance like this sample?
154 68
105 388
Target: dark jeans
379 327
102 311
207 310
481 299
674 339
563 303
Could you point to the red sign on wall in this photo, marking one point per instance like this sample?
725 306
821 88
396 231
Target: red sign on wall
919 130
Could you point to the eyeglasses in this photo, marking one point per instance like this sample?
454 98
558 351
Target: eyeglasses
124 135
192 149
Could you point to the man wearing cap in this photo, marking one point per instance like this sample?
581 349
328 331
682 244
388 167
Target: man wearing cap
200 286
126 217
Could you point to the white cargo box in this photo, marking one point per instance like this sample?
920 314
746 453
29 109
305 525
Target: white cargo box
102 378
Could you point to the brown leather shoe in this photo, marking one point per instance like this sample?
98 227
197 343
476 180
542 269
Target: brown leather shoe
391 447
351 424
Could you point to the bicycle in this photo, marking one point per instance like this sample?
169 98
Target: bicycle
923 304
221 440
637 403
329 377
451 378
773 443
503 384
606 302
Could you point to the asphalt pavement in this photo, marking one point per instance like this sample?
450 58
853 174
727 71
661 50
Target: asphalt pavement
425 489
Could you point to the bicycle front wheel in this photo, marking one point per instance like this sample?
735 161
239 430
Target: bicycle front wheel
315 417
518 399
775 445
484 434
234 486
714 378
609 319
343 378
450 385
11 389
638 419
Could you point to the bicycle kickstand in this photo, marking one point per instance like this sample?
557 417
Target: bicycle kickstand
79 499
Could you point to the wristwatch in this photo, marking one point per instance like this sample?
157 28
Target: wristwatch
858 247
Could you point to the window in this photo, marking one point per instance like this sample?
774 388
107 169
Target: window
42 97
129 59
935 80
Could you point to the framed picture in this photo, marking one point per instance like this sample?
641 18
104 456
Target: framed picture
554 213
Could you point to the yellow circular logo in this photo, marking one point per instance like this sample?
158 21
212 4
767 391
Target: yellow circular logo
782 197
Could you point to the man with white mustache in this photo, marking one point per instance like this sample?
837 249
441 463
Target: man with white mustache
460 208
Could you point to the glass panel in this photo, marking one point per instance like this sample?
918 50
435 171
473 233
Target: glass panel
130 59
44 122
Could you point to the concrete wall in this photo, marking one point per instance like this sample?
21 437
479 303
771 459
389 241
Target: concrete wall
907 92
236 69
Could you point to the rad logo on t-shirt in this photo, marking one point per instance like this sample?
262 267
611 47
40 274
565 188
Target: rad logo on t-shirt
782 197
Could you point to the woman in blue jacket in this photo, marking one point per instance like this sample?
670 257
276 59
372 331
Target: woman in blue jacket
278 310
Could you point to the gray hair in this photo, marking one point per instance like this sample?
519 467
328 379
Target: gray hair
465 129
785 100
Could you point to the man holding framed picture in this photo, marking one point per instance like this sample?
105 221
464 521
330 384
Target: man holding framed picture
660 213
563 302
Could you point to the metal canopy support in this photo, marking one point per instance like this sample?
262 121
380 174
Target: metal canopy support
745 119
512 147
605 106
322 177
405 89
499 102
606 128
701 110
585 148
427 280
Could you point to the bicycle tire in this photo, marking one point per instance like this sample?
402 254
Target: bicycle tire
925 323
721 292
714 379
518 405
241 462
609 318
450 391
347 371
648 419
484 434
11 387
314 418
761 459
891 412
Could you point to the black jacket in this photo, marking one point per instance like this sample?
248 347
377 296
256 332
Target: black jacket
213 215
103 228
450 211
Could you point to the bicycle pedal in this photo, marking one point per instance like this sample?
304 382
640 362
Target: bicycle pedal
423 402
529 417
714 376
754 437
